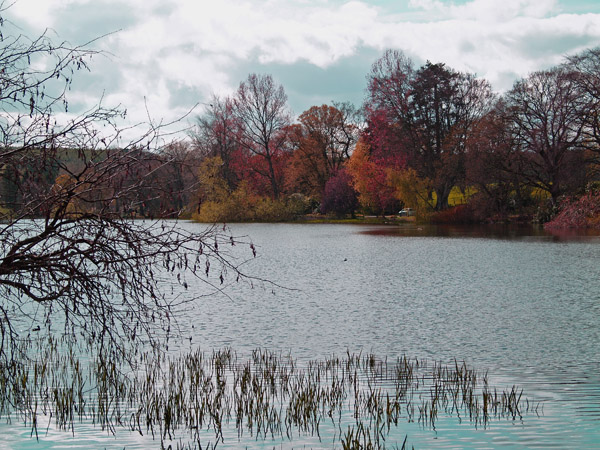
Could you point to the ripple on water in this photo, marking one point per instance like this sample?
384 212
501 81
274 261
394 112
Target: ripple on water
521 306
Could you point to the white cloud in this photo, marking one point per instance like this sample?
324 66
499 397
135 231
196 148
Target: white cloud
242 29
170 47
497 40
39 14
500 11
487 10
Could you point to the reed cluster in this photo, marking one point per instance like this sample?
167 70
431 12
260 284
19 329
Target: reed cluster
202 400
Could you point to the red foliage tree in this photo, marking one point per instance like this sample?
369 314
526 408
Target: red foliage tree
371 181
431 110
255 170
339 197
387 146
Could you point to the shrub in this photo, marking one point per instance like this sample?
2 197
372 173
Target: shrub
299 204
583 212
244 206
270 210
339 197
456 215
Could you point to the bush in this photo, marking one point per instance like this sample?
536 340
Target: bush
299 204
237 206
244 206
460 214
578 213
270 210
339 197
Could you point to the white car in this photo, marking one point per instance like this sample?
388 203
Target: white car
406 212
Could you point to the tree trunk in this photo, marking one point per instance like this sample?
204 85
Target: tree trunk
273 178
442 195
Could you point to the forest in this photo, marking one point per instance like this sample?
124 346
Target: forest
429 138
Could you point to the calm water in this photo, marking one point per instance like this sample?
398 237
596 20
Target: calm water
526 301
523 305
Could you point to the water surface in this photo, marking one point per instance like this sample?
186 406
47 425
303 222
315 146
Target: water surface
519 303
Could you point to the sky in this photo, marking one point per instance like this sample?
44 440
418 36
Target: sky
162 57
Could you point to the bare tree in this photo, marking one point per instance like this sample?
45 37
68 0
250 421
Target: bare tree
547 130
586 66
67 246
261 108
216 134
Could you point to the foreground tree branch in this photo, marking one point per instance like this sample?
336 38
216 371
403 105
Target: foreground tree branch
71 254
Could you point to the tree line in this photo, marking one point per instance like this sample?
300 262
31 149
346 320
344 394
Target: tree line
513 153
424 137
427 137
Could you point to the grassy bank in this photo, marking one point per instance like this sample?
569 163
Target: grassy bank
358 219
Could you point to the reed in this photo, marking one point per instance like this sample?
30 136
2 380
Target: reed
198 400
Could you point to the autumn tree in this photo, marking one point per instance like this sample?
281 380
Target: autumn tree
371 180
262 117
586 67
411 190
493 167
216 133
323 141
212 186
339 196
431 111
377 157
66 249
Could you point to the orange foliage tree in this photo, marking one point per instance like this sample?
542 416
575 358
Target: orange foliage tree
371 181
322 143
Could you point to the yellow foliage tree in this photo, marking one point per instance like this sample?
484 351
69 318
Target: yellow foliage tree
212 184
411 189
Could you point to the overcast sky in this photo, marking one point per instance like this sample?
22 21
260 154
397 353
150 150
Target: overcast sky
178 53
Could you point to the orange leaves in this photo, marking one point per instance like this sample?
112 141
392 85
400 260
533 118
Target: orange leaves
371 181
322 143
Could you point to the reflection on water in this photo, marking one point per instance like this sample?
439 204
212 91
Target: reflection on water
497 231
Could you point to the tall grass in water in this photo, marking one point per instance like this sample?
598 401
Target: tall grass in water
200 400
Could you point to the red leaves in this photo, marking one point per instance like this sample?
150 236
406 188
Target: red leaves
370 178
581 213
339 196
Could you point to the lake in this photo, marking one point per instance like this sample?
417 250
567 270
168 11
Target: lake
519 303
